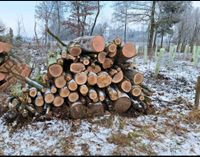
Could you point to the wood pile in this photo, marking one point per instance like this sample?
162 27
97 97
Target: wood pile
88 77
7 63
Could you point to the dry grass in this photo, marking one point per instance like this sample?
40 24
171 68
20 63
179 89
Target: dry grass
194 116
120 139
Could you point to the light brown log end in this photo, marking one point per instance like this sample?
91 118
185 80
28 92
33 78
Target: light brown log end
64 92
103 79
55 70
129 50
73 97
126 86
136 91
98 43
92 78
83 90
58 101
60 81
81 78
48 98
77 67
118 77
75 51
138 78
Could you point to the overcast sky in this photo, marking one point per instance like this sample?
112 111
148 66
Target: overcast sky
11 11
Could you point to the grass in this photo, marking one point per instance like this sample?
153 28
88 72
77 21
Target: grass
120 139
194 116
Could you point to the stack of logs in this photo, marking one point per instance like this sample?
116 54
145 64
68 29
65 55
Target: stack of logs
88 77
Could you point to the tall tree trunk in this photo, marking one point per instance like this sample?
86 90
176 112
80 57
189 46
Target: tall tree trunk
179 37
95 20
154 41
45 38
183 45
36 37
58 14
161 43
125 26
151 31
78 14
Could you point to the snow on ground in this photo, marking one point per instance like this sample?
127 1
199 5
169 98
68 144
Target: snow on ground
167 132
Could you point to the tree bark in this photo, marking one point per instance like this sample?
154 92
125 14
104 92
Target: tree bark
197 95
151 31
95 20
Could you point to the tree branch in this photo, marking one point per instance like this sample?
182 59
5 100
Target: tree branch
54 36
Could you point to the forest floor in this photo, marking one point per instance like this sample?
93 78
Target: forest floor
174 129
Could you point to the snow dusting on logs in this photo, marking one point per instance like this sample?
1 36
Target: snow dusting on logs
89 76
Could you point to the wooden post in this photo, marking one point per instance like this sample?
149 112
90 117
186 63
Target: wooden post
197 95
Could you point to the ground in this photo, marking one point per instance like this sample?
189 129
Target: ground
174 129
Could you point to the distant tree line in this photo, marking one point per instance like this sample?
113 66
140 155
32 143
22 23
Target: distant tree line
162 22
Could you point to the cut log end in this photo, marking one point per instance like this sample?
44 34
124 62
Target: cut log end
126 86
64 92
107 63
83 90
98 43
138 78
77 67
112 48
72 85
81 78
136 91
33 92
48 98
55 70
39 101
73 97
118 77
58 101
75 51
118 41
129 50
92 78
60 82
103 80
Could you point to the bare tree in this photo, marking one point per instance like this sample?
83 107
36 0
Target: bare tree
95 20
43 12
79 13
195 28
122 14
60 7
36 36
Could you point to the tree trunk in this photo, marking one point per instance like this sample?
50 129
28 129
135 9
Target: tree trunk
197 95
154 42
162 36
95 20
151 31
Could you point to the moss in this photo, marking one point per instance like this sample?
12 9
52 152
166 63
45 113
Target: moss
15 90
